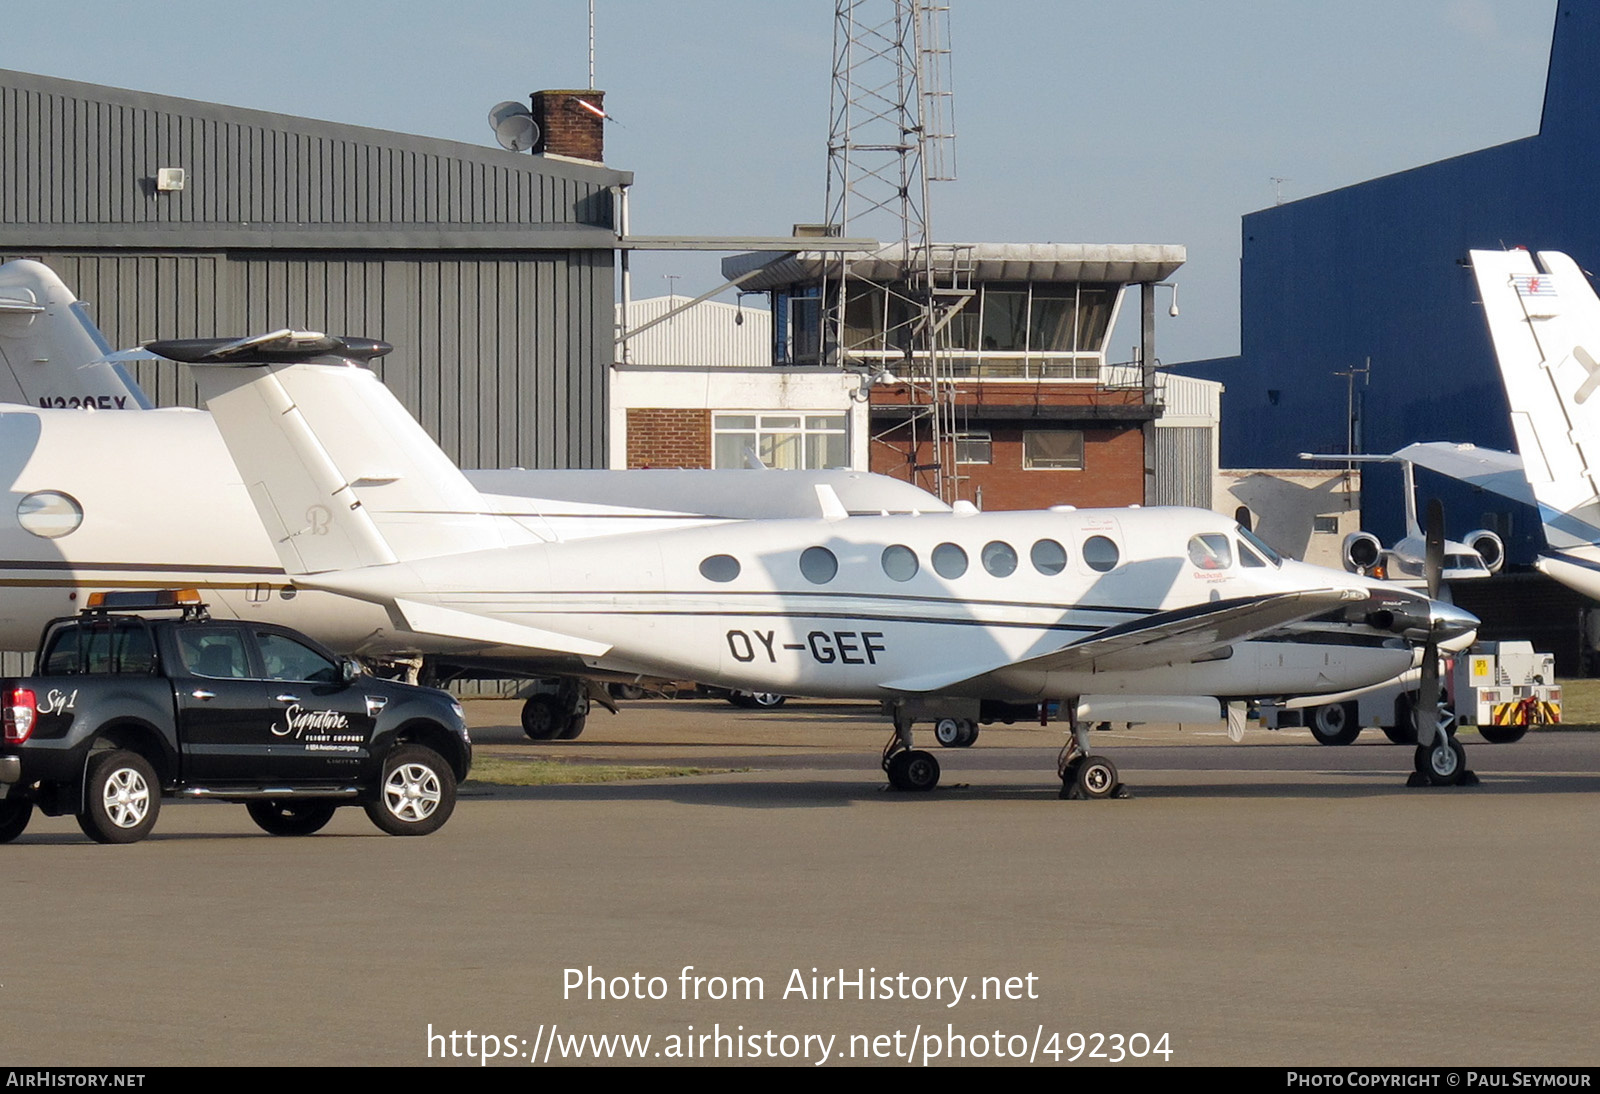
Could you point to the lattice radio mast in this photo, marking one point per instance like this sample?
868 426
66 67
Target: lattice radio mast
891 135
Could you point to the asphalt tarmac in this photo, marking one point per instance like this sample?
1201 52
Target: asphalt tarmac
1272 902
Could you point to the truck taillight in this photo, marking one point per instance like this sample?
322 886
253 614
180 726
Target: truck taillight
21 712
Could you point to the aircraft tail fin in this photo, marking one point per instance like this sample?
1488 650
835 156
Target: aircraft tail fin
1545 326
51 352
340 472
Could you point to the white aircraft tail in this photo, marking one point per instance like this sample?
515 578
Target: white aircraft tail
1545 325
51 353
342 474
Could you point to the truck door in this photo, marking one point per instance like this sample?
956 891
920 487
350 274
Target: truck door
224 716
324 724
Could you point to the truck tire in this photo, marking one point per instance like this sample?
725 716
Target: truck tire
14 817
1335 724
416 794
291 817
121 798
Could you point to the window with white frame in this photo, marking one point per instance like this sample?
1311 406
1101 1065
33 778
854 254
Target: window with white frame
790 441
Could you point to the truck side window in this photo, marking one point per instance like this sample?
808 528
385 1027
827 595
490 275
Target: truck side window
218 654
287 659
100 646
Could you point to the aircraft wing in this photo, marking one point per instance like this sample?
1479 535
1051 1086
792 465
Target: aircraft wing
1486 468
1177 637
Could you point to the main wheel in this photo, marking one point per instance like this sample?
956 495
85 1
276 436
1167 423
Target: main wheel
541 717
1335 724
759 700
291 817
913 770
121 798
1502 735
1096 777
574 727
947 731
1442 762
417 794
14 817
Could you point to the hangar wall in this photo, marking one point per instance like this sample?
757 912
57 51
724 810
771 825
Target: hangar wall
490 272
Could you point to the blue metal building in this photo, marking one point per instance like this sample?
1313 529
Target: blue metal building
1375 270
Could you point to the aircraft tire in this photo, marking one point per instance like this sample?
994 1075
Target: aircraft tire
954 732
1442 763
1502 735
14 817
122 798
291 817
914 770
541 718
1095 777
1335 724
574 727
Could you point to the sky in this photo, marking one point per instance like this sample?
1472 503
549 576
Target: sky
1081 121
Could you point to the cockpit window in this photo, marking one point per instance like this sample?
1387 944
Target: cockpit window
1249 559
1260 545
1211 551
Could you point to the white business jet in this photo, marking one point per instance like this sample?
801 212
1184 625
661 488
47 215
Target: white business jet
1480 555
928 613
106 501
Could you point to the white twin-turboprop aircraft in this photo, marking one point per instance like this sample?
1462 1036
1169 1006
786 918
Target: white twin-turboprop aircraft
933 614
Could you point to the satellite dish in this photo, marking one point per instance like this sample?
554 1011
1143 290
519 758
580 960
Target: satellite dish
514 126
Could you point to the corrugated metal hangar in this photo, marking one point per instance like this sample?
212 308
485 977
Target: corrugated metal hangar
492 273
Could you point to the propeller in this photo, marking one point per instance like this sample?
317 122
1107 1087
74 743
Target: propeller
1428 692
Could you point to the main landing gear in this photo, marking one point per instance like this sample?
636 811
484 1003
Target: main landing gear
1084 776
908 768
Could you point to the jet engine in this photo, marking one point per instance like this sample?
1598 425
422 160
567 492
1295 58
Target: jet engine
1490 547
1361 552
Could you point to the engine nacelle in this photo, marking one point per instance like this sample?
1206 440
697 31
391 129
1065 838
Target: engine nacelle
1490 547
1361 552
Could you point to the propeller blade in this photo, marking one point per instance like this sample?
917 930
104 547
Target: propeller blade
1435 543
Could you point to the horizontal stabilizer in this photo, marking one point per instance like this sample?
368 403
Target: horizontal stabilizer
1486 468
1178 637
449 623
342 474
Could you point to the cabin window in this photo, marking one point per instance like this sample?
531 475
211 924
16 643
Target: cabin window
720 568
49 514
1000 559
1048 557
818 565
949 561
1100 553
1209 551
900 562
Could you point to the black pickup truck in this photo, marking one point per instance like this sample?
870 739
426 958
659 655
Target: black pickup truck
142 696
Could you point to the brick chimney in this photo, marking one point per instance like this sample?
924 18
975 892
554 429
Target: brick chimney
569 128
